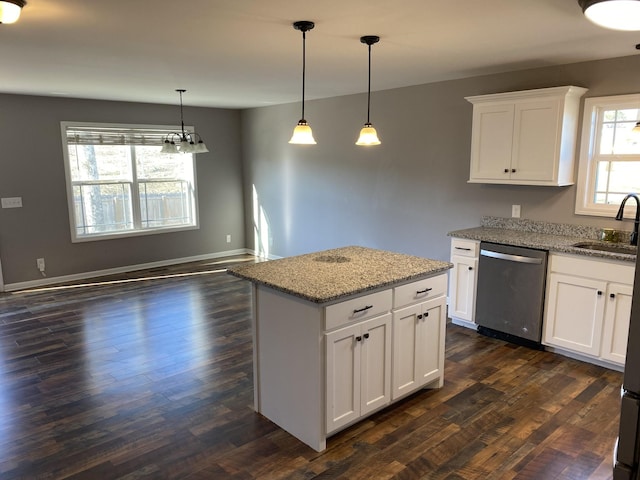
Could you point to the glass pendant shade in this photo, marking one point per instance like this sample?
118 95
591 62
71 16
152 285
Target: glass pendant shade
636 130
368 136
613 14
10 10
169 147
302 134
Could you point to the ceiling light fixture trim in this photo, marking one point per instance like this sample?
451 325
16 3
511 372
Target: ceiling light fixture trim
368 134
613 14
302 134
188 142
10 10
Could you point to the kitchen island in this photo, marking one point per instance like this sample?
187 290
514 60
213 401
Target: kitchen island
342 333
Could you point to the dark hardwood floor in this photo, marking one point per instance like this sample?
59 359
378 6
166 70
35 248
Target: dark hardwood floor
153 379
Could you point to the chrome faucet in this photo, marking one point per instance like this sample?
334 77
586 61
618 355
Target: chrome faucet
620 216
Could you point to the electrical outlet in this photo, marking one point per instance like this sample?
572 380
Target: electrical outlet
40 263
12 202
515 211
228 238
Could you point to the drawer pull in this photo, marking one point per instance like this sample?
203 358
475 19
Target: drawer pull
612 295
599 293
364 309
463 248
419 317
358 338
366 335
419 292
506 170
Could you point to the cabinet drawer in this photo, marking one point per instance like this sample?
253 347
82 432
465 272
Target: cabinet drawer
419 291
465 248
357 309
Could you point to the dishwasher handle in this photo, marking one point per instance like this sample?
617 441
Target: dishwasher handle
509 257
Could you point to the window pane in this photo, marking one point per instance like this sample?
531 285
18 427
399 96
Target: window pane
100 162
602 177
151 164
102 208
606 138
165 204
625 177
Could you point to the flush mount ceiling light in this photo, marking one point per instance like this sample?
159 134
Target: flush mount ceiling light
10 10
614 14
302 134
368 134
186 140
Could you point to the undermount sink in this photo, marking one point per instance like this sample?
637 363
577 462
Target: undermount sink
612 248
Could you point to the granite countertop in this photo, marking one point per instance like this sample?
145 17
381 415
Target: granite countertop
331 275
543 236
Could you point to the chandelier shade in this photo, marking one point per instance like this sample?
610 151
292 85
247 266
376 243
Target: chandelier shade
302 134
10 10
183 141
613 14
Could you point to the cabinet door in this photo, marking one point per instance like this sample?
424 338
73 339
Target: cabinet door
375 364
575 313
536 139
462 288
616 322
491 142
343 376
430 359
406 344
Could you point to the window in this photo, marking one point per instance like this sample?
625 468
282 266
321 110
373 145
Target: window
119 184
609 165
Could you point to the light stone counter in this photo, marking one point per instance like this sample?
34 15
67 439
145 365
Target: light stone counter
332 275
543 236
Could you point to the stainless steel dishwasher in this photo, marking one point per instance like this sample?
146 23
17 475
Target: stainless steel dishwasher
510 293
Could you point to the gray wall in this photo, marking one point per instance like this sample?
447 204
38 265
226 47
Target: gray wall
406 194
31 167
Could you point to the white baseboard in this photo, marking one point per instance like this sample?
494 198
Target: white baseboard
12 287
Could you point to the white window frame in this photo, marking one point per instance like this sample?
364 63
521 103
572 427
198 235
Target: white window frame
587 164
138 230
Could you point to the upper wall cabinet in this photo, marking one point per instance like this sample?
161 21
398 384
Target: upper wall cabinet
525 138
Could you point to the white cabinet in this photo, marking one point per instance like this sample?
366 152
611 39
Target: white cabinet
462 281
358 370
525 138
418 346
588 306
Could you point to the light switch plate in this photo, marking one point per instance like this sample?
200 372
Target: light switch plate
12 202
515 211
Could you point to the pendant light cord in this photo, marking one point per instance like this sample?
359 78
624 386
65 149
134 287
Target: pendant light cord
304 65
369 87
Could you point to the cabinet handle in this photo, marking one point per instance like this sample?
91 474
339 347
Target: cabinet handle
358 339
599 293
424 291
364 309
612 295
426 314
463 248
366 335
419 317
513 170
470 268
506 170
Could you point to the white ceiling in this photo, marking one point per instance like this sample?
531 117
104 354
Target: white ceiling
245 53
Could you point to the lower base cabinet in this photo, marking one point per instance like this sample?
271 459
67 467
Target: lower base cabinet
358 370
588 307
418 346
319 369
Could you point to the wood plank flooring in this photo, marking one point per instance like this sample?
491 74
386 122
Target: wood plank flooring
153 379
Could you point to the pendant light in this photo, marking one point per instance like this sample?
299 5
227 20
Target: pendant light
368 134
10 10
302 134
186 140
614 14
